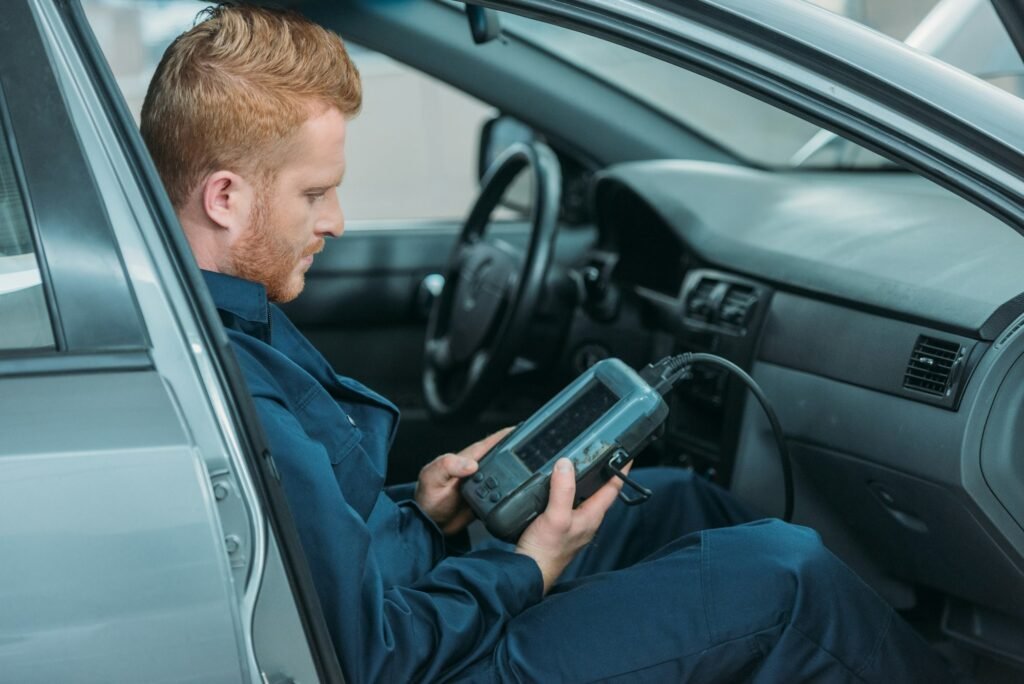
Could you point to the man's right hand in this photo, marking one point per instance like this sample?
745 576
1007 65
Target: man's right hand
558 534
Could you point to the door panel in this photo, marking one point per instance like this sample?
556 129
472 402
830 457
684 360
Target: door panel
115 568
143 553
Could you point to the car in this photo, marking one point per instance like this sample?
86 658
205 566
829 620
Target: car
871 287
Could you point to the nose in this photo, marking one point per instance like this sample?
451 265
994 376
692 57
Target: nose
332 223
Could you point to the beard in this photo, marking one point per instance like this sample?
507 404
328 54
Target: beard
263 256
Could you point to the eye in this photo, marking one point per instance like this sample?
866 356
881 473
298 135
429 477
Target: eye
315 196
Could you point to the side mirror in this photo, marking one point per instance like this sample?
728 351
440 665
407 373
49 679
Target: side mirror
496 136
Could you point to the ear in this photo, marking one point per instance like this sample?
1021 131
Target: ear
228 200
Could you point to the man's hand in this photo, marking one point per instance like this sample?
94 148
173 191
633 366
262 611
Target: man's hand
557 535
437 489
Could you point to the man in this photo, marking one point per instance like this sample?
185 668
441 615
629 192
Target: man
246 121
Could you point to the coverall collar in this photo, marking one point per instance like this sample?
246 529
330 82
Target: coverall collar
243 298
242 304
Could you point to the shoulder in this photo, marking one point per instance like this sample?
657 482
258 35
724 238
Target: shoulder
260 364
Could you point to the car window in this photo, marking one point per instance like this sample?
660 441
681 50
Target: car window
750 129
412 151
973 41
24 315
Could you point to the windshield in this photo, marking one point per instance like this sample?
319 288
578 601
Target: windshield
964 33
759 133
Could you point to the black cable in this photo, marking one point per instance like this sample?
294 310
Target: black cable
664 374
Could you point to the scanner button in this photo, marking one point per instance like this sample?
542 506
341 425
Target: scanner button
481 492
491 482
495 497
479 477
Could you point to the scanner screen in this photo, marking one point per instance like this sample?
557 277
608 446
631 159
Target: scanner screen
574 418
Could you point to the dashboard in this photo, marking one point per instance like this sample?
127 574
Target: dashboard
883 317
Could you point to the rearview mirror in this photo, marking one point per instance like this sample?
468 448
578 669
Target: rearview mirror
483 24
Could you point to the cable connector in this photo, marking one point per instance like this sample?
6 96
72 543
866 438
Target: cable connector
663 375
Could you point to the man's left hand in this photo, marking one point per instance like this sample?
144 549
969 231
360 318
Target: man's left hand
437 489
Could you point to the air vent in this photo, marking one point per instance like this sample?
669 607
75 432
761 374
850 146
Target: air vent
701 304
931 366
737 305
1010 333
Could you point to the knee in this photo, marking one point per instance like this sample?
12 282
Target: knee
788 562
784 548
769 574
762 574
810 583
794 541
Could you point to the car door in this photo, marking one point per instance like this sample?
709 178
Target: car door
135 535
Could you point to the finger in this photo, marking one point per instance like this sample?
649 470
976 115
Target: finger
444 469
601 500
478 450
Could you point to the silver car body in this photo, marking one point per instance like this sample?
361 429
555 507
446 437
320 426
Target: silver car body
135 541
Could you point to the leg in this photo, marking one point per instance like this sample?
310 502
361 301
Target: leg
681 503
760 602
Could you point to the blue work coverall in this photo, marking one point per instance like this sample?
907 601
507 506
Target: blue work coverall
682 588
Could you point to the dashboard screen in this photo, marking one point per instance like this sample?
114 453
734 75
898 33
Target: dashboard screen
573 418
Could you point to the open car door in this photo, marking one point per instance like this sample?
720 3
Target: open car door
140 517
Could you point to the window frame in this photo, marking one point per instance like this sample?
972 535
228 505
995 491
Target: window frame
7 138
269 503
91 305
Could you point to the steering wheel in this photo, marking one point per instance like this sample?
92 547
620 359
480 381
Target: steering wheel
478 322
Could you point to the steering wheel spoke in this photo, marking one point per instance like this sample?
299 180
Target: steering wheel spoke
439 353
463 254
478 365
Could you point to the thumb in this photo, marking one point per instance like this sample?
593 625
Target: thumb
478 450
563 486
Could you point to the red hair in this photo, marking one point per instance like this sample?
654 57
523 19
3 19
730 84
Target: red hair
231 91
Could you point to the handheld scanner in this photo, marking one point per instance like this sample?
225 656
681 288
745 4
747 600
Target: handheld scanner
599 422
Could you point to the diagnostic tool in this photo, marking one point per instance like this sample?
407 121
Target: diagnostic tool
599 422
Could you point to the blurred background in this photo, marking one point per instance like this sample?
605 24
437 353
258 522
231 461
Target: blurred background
410 120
